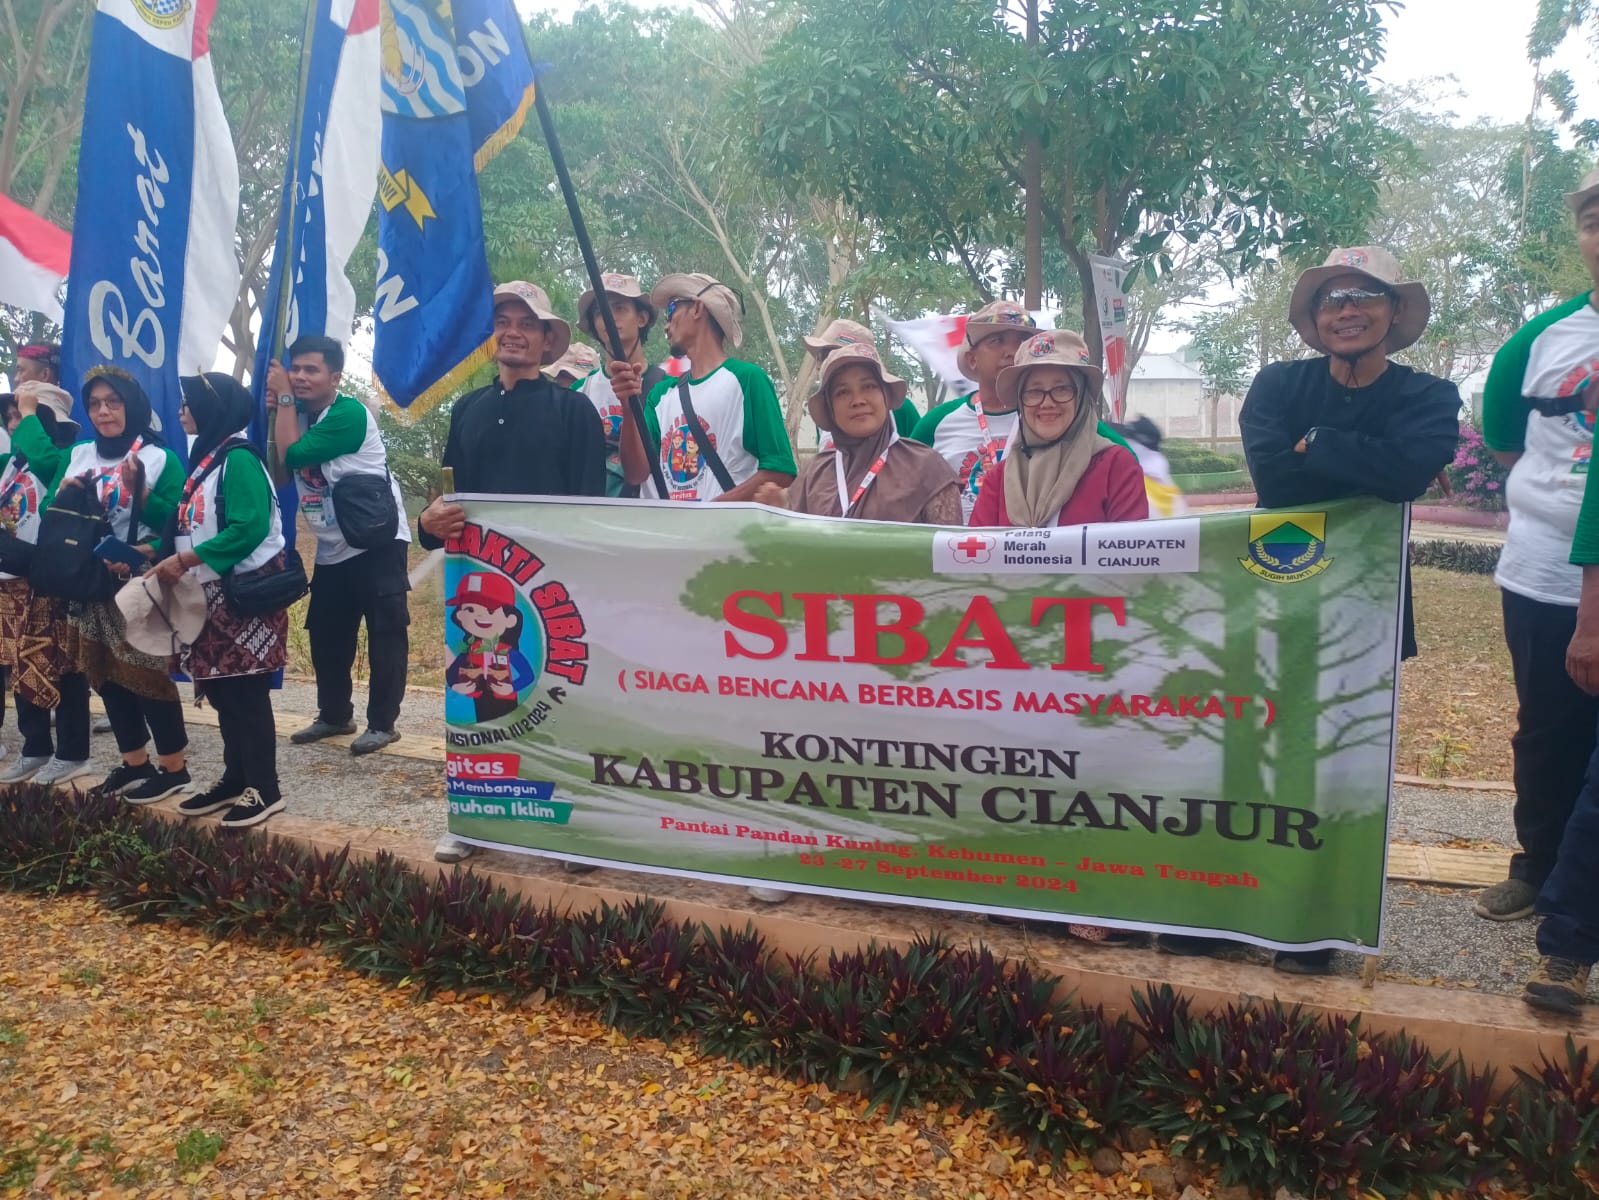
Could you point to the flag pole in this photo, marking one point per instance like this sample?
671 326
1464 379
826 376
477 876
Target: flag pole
591 264
280 322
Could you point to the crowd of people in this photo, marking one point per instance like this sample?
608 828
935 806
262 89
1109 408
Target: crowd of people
1029 447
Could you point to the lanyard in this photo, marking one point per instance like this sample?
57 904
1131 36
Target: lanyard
985 447
195 475
869 478
112 479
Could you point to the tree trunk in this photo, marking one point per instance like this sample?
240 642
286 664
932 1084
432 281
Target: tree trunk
1085 277
1033 168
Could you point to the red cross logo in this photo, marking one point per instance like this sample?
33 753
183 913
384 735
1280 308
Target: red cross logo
972 548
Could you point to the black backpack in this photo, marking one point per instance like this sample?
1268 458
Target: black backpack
64 563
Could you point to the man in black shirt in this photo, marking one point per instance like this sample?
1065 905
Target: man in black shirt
1349 423
521 435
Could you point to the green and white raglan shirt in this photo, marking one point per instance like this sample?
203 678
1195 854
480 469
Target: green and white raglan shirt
163 481
956 429
738 409
1555 354
342 440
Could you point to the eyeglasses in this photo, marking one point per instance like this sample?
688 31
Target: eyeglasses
1359 297
95 402
677 304
1036 397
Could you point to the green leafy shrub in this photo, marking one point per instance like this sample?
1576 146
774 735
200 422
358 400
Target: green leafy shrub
50 841
1191 458
1073 1088
1466 558
1553 1135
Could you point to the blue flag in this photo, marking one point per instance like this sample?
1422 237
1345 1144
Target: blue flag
456 87
154 272
328 186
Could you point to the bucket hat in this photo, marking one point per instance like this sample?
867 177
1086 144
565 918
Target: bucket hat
838 333
532 295
1377 265
849 356
162 617
717 297
1051 348
1586 191
577 362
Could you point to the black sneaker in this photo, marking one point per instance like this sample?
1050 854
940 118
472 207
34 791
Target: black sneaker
125 776
214 799
158 787
251 809
319 729
1303 962
373 740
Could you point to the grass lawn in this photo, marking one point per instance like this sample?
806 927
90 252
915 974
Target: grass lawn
1457 704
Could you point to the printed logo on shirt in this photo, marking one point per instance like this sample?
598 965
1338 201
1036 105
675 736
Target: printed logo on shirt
970 472
680 457
21 500
1579 379
192 515
611 418
1287 547
112 493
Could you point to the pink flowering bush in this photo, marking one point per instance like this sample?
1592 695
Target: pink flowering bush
1478 479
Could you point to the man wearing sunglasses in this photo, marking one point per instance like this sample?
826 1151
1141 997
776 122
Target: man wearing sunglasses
1349 422
720 427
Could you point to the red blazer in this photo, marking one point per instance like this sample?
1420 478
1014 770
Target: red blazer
1112 489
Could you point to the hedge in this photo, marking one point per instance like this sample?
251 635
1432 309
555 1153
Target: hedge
1265 1095
1467 558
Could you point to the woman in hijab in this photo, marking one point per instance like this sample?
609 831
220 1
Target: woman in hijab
228 520
868 473
1059 470
36 642
137 479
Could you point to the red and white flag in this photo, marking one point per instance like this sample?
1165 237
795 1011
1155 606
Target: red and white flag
937 341
33 260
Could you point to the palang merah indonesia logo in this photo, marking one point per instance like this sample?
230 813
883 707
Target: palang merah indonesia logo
163 14
1287 547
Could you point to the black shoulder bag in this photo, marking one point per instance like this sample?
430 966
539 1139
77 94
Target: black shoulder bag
64 563
269 588
364 510
713 460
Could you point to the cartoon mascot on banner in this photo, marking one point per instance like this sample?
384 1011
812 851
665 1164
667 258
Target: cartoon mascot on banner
490 668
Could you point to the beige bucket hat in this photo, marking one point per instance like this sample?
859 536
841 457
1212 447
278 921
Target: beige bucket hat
1051 348
577 362
51 397
162 617
1587 191
616 284
717 297
998 316
839 333
532 295
1377 265
851 355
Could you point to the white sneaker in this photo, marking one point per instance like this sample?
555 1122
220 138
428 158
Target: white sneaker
58 771
453 850
24 768
769 895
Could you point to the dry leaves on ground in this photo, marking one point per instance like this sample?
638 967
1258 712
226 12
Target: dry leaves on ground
140 1061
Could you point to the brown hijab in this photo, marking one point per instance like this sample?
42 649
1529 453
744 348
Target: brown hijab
909 483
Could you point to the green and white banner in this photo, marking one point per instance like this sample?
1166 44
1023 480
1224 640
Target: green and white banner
1182 725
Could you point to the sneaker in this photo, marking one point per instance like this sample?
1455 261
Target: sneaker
101 725
1303 962
1560 985
1508 900
126 775
251 809
453 850
58 771
769 895
319 729
159 786
373 740
214 799
24 768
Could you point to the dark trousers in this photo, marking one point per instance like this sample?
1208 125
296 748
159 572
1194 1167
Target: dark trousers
370 587
1569 902
72 722
135 718
1555 731
249 736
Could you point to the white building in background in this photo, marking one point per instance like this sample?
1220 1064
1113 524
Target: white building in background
1171 393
